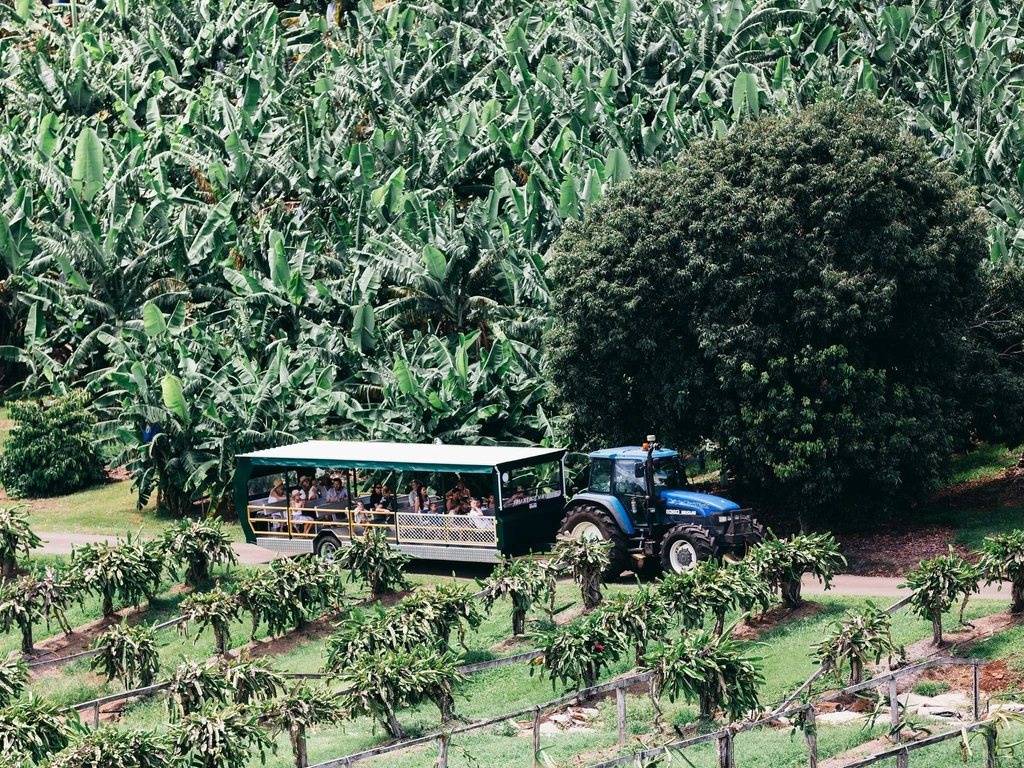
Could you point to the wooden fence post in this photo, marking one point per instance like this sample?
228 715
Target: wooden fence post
725 755
811 734
620 705
990 748
442 751
894 711
96 716
977 695
536 735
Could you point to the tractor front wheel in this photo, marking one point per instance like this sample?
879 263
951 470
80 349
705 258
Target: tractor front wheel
684 546
586 521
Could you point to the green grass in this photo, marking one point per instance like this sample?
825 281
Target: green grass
105 510
931 687
5 425
973 525
984 463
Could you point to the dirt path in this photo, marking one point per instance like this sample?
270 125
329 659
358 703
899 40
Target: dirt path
881 586
61 543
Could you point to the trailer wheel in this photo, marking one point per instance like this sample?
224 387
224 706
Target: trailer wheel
684 546
586 521
327 546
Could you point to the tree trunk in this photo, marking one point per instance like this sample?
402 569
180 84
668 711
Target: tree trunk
592 592
108 605
937 628
199 571
708 706
518 622
220 634
641 651
791 593
1018 597
394 727
719 623
856 670
10 564
298 735
27 643
445 705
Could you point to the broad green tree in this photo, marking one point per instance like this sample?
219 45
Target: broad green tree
806 336
52 449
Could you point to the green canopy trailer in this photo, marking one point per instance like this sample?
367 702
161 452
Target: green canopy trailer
527 486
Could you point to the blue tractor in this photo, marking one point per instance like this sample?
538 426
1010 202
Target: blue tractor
637 499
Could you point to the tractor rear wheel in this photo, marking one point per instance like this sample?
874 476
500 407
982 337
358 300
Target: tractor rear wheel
684 546
593 522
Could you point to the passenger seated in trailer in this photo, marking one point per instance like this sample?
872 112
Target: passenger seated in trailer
457 497
296 509
309 492
376 495
359 513
277 493
416 497
337 493
519 497
476 511
323 485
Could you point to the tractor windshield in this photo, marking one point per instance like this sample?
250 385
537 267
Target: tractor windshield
669 474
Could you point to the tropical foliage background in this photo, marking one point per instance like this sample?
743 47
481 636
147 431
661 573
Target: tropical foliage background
239 224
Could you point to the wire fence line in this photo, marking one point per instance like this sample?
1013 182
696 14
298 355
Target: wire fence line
725 736
96 704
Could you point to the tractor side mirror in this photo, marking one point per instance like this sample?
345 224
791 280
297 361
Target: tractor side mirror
638 470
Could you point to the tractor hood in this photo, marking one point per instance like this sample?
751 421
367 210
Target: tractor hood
701 503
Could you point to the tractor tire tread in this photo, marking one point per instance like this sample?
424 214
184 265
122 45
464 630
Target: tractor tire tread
702 541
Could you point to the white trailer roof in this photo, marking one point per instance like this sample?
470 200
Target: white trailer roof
411 456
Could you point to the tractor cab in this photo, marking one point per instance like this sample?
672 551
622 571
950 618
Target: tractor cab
650 484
